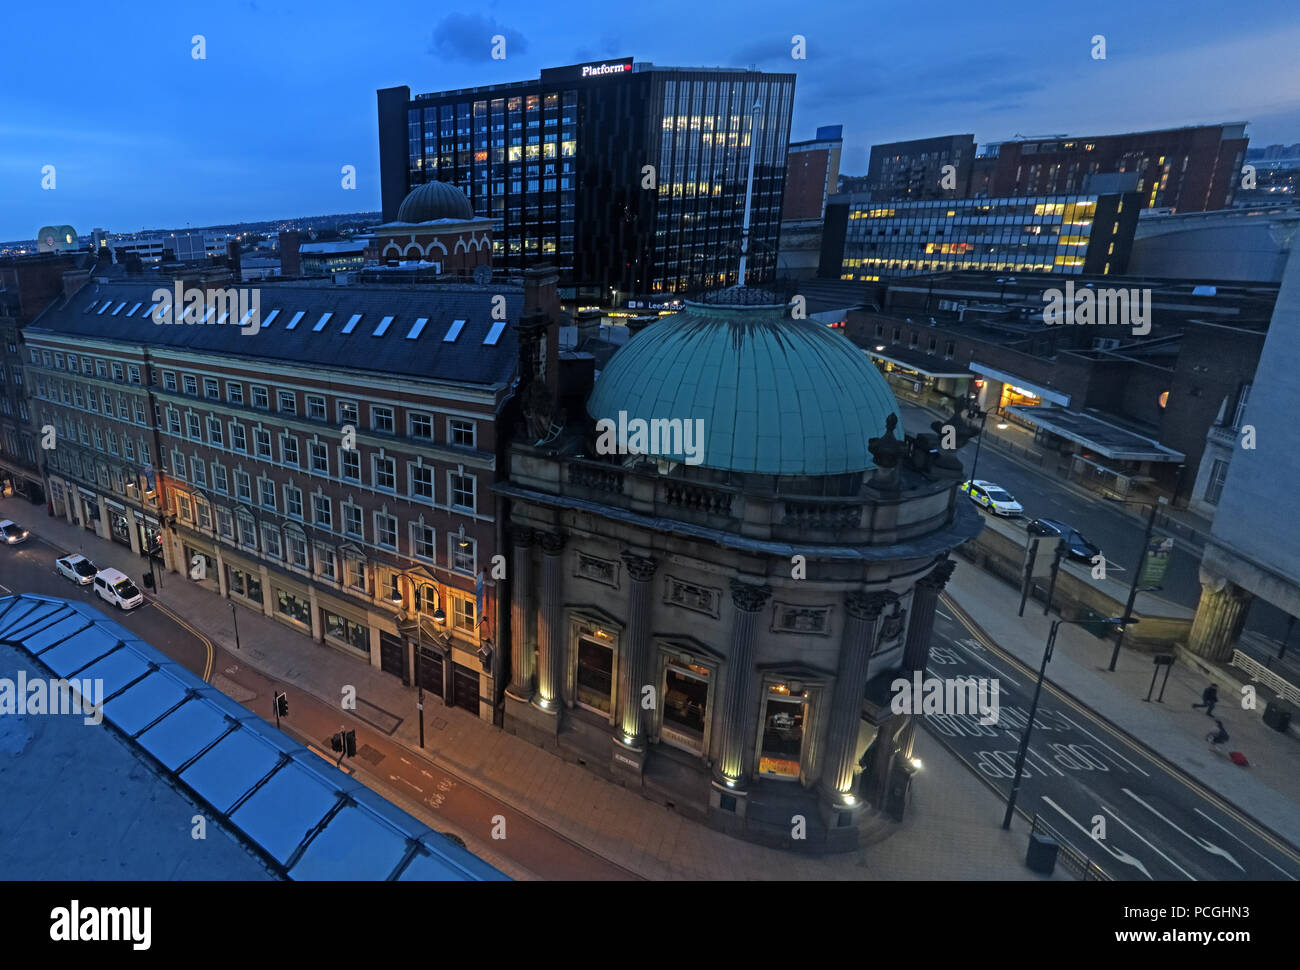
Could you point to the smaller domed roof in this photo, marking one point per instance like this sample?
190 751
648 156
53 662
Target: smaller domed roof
432 201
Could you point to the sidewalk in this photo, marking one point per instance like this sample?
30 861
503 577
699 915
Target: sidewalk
951 830
1268 791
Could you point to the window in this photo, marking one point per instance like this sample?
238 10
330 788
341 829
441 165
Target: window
184 508
211 388
782 724
262 442
225 524
315 407
421 426
461 433
118 371
271 543
354 573
386 530
245 584
234 392
290 606
595 674
422 541
260 398
178 464
349 413
266 492
202 514
288 402
190 383
325 562
319 457
461 490
1218 475
297 551
198 472
352 520
322 511
193 426
463 554
421 482
243 486
351 462
386 473
169 380
345 631
289 449
215 434
463 614
219 481
132 373
247 531
381 419
293 501
238 440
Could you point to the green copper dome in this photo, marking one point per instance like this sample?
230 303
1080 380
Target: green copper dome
776 396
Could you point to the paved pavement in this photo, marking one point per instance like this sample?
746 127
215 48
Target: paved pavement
951 831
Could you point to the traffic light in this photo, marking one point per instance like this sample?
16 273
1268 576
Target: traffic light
350 744
281 704
336 742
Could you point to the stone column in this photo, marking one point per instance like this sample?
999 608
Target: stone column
856 645
740 697
1220 615
523 660
550 635
920 631
634 652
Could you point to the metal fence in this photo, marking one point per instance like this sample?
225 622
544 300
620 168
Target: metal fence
1071 859
1258 672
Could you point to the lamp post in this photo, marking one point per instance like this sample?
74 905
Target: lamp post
234 616
1033 710
972 409
438 617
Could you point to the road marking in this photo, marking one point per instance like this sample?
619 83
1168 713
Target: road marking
1247 845
1119 854
1031 750
405 782
207 644
5 588
1205 844
945 615
1152 847
1001 674
1100 741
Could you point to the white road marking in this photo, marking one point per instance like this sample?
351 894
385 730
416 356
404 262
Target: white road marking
1119 854
1152 847
1045 761
1101 742
1001 676
5 588
405 782
1249 847
945 615
1205 844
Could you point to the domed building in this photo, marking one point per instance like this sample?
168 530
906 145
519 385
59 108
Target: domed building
720 567
435 224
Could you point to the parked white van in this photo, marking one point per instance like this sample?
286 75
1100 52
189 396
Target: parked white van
116 587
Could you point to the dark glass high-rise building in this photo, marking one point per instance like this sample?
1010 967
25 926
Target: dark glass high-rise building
560 166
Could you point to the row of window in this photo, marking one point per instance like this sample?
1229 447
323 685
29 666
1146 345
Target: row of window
86 365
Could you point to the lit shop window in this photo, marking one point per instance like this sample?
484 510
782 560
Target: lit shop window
783 718
686 704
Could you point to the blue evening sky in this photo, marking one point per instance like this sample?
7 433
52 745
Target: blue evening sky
143 135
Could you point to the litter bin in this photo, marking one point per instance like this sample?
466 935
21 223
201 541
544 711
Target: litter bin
1277 715
1041 857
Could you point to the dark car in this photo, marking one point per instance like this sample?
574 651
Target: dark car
1076 543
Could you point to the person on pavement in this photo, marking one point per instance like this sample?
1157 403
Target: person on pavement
1209 697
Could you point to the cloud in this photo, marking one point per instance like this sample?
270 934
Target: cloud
468 37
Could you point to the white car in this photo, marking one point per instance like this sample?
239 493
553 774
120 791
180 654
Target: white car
995 498
114 586
11 533
77 568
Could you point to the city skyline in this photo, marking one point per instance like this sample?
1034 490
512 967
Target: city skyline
132 155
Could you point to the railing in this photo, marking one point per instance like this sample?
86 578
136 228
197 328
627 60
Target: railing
700 498
593 475
1002 444
809 515
1257 671
1071 859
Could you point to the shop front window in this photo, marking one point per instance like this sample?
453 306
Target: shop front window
686 698
595 675
783 725
293 607
345 631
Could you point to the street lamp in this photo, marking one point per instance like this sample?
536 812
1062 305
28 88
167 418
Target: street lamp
439 617
1033 707
972 409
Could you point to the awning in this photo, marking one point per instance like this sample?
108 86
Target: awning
1046 393
1106 439
922 364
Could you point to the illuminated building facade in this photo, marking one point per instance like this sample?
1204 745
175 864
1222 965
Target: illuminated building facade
559 166
1063 234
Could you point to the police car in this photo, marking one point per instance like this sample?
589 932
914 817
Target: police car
992 497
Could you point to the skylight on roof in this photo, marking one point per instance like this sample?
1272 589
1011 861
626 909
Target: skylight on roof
273 314
383 327
107 304
320 324
243 321
222 319
208 316
494 334
417 328
352 322
453 331
152 312
119 308
294 322
131 312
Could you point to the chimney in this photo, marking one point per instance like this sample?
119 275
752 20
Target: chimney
290 265
588 325
232 257
540 293
74 280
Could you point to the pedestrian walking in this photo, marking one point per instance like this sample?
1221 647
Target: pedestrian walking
1209 697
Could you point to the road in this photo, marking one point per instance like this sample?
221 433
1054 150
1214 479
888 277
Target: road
1117 534
1087 779
381 763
